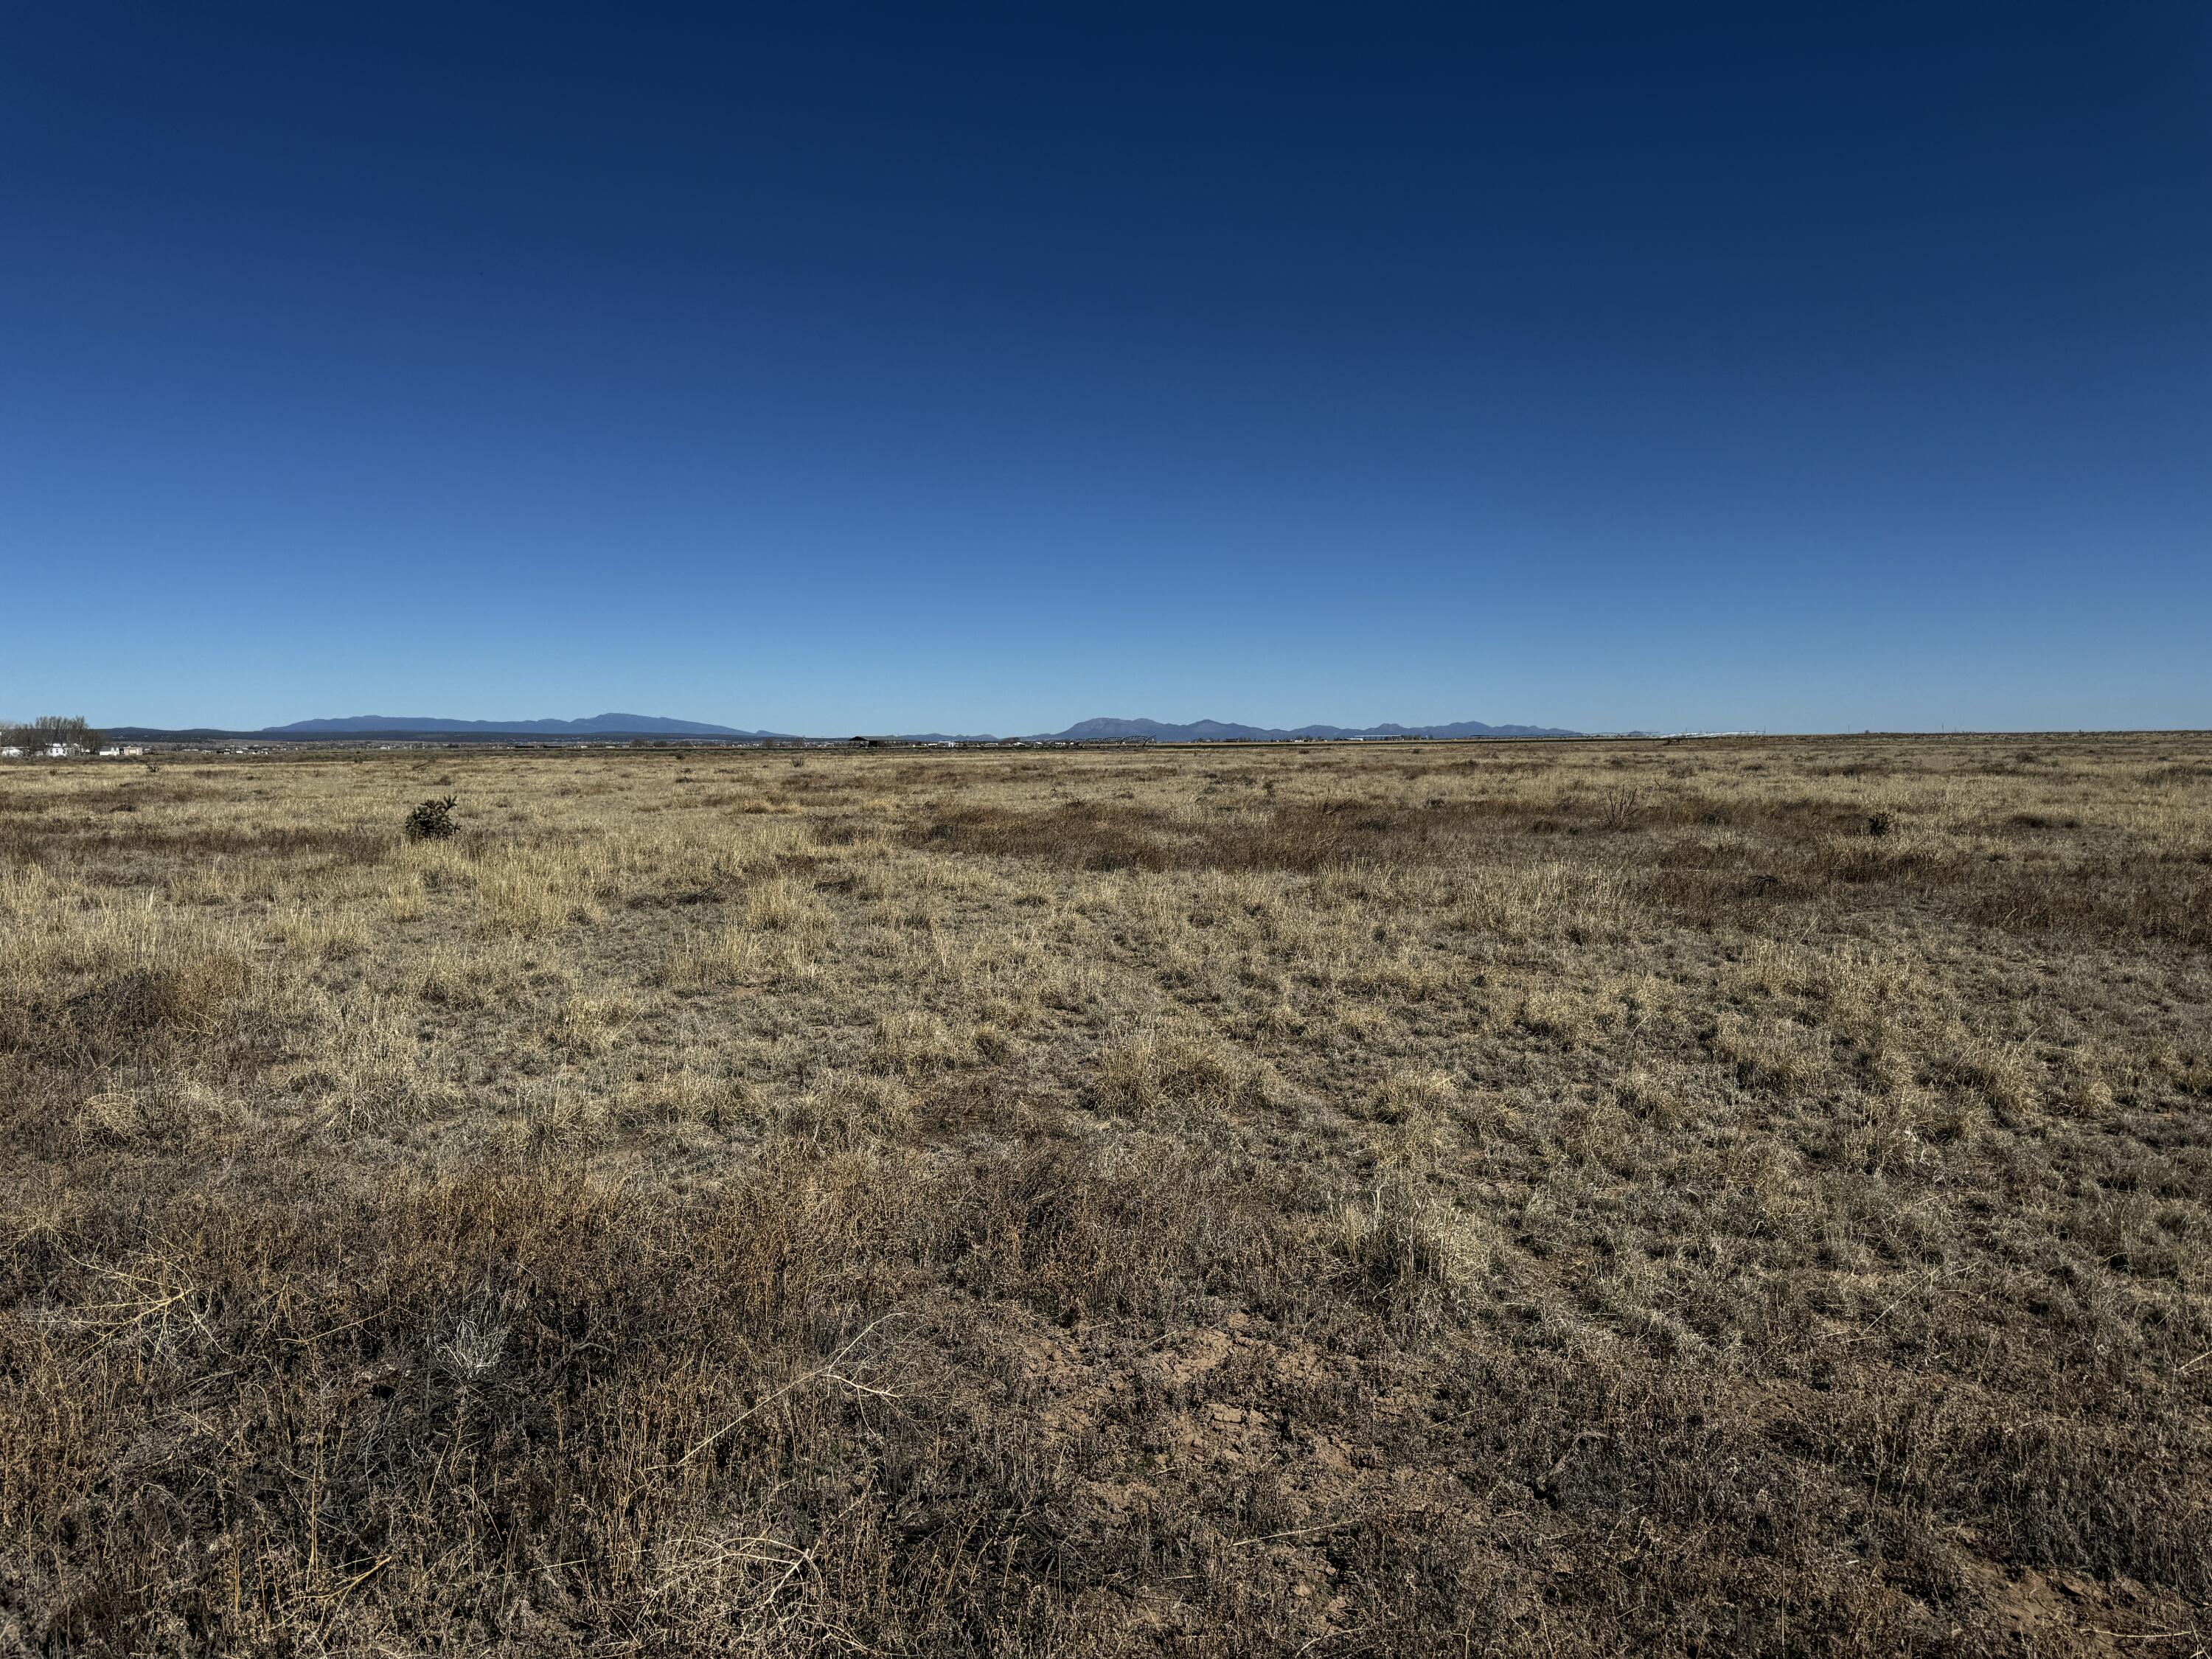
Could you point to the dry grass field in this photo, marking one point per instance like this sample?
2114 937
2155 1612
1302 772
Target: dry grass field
1719 1197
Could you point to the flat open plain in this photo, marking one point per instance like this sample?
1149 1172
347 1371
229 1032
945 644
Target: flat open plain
1723 1196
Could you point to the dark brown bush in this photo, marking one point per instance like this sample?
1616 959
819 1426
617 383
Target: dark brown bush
433 820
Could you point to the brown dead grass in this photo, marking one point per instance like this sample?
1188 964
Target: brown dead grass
1719 1196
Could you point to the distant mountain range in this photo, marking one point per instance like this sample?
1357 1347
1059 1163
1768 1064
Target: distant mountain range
1104 729
1226 731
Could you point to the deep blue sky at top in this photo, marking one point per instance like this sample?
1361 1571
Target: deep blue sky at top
836 367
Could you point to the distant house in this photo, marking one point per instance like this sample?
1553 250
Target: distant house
61 750
115 750
11 753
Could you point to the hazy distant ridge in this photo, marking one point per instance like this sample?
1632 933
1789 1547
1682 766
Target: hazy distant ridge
1091 730
1104 728
624 723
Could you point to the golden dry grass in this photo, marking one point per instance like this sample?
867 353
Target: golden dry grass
1719 1196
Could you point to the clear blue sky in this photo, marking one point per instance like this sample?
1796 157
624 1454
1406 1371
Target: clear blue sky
839 367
